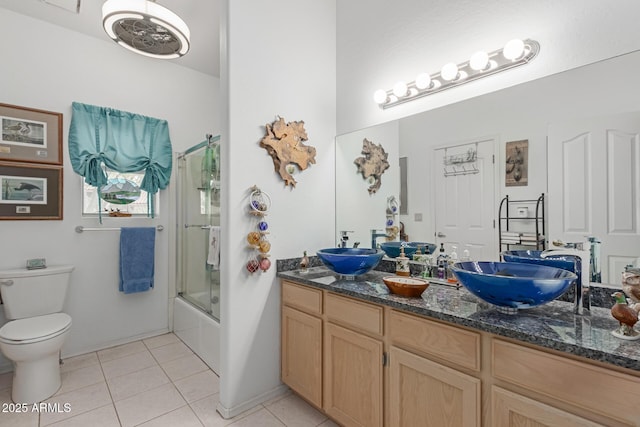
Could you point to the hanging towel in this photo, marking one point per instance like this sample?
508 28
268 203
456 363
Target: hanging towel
137 254
213 257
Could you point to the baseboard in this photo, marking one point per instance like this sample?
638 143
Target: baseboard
113 343
245 406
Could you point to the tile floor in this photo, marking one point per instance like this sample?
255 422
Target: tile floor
153 383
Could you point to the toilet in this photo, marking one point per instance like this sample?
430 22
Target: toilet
36 329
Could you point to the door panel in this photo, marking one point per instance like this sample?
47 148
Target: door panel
594 186
465 202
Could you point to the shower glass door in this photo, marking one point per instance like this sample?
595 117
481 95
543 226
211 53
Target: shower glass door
198 210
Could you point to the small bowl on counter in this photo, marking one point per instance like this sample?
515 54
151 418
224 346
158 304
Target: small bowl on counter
405 286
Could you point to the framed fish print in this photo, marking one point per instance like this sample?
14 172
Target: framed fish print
30 135
30 191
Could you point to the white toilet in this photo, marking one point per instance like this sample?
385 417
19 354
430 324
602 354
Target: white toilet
37 328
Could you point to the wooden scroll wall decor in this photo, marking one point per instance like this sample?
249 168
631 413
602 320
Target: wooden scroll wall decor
373 164
284 143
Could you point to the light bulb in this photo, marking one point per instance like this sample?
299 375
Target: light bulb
380 96
400 89
479 60
449 71
423 81
513 49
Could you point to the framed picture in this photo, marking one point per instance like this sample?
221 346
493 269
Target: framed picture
517 163
30 135
30 191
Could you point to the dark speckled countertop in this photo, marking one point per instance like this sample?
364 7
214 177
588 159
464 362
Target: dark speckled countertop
552 325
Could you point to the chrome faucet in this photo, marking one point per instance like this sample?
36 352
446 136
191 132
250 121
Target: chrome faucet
344 238
581 251
374 237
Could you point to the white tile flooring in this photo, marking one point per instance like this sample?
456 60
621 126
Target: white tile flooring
154 382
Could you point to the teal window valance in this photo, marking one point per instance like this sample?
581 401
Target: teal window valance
122 141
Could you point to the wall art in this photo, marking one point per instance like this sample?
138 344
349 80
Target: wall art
30 191
285 144
517 163
30 135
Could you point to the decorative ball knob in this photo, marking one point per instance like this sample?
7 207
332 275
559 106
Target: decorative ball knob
262 225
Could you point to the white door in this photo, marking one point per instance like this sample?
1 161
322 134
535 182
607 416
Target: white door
465 199
594 187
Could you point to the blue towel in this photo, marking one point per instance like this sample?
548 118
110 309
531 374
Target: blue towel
137 255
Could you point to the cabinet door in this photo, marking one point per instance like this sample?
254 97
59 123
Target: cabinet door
427 394
352 377
302 354
511 409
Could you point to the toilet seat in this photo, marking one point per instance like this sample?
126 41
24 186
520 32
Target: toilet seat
34 329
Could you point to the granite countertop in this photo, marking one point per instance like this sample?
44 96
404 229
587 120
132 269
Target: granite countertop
552 325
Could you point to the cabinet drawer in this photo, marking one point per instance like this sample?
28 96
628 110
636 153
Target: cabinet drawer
362 316
446 342
302 297
596 389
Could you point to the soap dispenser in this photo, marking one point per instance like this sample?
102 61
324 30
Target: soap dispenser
442 263
402 264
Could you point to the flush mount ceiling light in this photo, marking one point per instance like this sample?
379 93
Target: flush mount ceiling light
481 64
145 27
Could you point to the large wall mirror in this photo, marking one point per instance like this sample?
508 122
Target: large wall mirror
590 179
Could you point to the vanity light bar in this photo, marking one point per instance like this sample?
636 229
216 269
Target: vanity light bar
481 64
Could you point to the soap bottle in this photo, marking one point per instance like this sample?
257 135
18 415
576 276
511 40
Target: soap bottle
442 263
453 258
402 264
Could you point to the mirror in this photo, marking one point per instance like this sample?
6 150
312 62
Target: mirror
520 113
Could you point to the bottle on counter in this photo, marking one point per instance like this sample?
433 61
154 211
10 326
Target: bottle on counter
453 258
304 263
441 263
402 264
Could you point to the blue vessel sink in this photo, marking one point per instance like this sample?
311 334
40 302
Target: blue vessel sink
350 261
512 284
564 262
392 249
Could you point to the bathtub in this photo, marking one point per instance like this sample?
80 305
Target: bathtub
199 331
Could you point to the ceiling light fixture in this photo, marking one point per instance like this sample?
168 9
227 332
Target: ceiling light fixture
145 27
481 64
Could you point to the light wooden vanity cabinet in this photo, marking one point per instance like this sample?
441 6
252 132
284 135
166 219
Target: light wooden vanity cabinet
353 362
423 392
301 341
437 374
604 394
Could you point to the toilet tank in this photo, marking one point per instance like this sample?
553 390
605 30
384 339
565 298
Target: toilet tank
29 293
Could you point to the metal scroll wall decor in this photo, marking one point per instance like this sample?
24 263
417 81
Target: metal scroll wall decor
373 164
259 204
285 144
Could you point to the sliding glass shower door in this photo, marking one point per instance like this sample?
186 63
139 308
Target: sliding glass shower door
198 213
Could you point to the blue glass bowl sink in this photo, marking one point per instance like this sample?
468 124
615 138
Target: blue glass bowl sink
350 261
513 285
533 257
392 249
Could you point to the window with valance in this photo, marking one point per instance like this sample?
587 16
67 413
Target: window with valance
121 141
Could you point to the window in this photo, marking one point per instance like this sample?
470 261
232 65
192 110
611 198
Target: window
122 195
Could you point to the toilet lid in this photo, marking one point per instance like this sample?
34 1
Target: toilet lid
31 328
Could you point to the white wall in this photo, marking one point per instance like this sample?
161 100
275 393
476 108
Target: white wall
521 112
278 58
47 67
381 42
363 212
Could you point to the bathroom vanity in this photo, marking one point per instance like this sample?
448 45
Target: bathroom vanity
369 358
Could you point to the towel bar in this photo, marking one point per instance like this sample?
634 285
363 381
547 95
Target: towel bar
80 229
